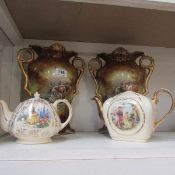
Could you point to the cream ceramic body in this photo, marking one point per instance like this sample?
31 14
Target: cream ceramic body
131 116
33 121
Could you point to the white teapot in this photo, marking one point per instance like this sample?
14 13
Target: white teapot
34 121
131 116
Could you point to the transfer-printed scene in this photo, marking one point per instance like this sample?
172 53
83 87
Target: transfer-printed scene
125 86
120 82
33 117
125 116
53 84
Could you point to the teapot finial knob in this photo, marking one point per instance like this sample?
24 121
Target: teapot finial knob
37 95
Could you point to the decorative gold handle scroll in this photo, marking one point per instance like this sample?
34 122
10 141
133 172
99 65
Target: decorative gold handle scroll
80 71
93 70
21 62
149 67
155 100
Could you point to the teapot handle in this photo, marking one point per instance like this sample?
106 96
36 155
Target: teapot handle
149 68
21 62
155 100
70 111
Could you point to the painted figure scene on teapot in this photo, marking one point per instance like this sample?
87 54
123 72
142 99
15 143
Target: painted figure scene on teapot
125 116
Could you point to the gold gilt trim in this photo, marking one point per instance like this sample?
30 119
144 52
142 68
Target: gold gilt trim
93 74
21 62
80 73
155 100
149 67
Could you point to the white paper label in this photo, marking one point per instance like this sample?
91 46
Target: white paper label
61 72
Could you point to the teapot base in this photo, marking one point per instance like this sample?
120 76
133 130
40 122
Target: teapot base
34 141
130 139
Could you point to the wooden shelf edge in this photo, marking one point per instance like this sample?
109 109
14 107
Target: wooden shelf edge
165 5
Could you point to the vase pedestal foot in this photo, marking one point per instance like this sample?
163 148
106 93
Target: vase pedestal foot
103 130
67 130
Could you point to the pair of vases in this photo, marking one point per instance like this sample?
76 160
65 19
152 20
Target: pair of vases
55 74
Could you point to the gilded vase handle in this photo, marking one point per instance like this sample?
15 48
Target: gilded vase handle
148 67
21 62
80 71
156 100
93 72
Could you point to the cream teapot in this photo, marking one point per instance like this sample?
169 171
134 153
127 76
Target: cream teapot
34 121
131 116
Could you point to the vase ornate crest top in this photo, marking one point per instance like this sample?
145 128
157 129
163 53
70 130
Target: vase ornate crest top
120 71
52 71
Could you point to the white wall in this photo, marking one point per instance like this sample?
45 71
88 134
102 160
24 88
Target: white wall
6 56
85 115
6 65
10 76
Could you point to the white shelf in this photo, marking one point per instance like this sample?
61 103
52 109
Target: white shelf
89 153
88 145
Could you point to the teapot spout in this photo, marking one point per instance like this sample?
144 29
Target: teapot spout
5 115
99 105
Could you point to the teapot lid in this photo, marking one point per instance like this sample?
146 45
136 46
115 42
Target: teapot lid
36 95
